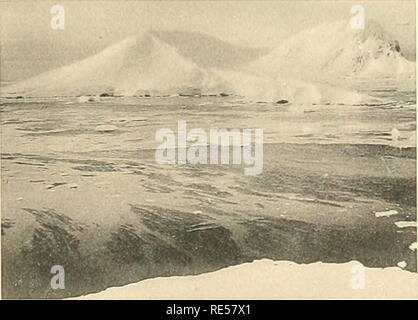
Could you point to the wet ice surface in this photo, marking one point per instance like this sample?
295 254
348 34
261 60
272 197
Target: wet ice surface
81 189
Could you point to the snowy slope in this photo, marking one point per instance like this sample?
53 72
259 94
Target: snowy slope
335 49
154 62
267 279
136 63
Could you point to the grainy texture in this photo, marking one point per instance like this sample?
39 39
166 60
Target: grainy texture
82 186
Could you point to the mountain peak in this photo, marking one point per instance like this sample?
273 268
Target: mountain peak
208 51
336 49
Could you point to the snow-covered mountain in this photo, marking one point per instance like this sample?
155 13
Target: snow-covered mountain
171 62
135 63
153 62
337 50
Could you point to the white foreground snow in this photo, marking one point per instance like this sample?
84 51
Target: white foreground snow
267 279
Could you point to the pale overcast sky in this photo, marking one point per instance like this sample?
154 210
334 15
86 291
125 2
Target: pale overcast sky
30 45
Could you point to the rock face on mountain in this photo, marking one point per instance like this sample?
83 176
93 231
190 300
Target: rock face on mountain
172 62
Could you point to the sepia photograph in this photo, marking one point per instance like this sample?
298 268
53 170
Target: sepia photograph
208 150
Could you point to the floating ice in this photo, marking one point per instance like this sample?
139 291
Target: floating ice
398 141
406 224
386 213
